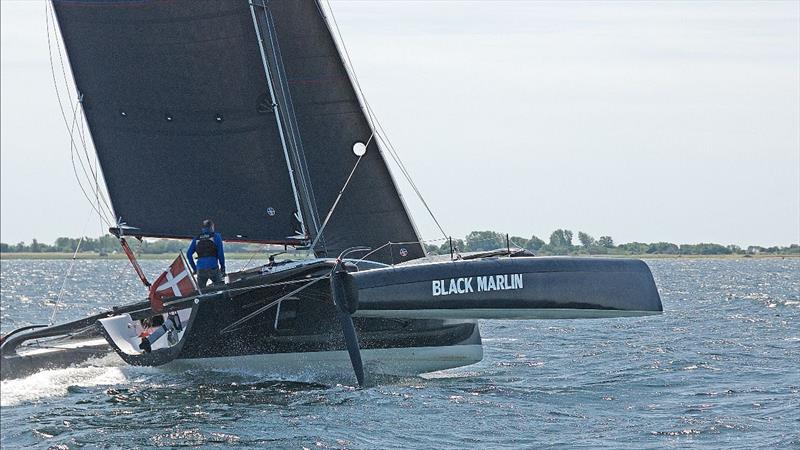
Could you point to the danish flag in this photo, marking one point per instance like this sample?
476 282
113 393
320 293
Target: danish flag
176 281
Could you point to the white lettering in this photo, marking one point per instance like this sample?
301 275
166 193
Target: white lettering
437 287
453 287
501 282
486 283
481 284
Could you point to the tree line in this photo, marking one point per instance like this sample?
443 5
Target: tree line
560 242
109 244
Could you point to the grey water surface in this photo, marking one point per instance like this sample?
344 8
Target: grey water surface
719 369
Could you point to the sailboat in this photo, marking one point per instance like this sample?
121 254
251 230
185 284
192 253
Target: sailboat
255 98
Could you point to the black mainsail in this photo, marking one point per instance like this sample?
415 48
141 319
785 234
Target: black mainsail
241 111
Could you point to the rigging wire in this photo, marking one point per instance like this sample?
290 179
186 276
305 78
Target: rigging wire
69 271
93 171
382 135
124 266
390 243
96 178
52 68
338 197
253 255
73 151
255 313
50 14
100 212
372 118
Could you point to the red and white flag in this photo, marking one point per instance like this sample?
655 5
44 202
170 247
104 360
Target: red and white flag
176 281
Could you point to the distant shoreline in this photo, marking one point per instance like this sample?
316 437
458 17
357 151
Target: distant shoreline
121 256
260 255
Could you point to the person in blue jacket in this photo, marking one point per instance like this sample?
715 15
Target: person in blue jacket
210 255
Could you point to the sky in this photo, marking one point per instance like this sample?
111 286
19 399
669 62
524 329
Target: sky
646 121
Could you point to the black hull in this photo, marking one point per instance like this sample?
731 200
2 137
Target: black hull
510 288
304 324
202 345
404 313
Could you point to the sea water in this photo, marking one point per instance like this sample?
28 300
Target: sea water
720 368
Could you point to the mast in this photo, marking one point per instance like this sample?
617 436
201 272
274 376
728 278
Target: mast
319 98
290 120
276 111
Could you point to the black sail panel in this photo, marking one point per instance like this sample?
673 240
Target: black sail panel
177 102
330 120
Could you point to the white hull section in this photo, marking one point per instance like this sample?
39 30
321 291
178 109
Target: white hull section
401 362
506 313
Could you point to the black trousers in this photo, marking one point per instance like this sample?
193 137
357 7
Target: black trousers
203 275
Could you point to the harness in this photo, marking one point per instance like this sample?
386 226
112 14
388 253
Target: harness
206 246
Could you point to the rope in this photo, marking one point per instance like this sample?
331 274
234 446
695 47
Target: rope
61 55
382 135
511 239
49 13
255 313
100 212
69 271
338 197
253 255
124 266
422 241
373 251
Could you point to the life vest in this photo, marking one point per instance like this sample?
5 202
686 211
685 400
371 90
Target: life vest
206 246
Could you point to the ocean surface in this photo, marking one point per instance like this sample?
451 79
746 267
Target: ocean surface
719 369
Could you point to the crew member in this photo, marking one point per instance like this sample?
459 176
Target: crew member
210 255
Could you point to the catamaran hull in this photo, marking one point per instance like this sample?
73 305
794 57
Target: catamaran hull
298 335
28 363
316 365
509 288
408 319
324 365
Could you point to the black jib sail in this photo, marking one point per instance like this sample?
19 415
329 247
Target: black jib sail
325 109
240 111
